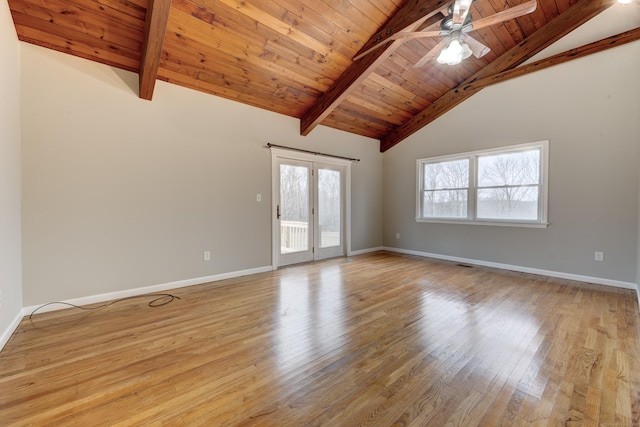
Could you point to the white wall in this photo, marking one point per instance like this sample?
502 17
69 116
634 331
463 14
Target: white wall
10 244
589 110
122 193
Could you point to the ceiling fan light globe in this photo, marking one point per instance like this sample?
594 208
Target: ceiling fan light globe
447 58
454 53
450 53
466 51
455 48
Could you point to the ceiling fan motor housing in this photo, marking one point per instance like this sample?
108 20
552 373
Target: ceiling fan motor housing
447 22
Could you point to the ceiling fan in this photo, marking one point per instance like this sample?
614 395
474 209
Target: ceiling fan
456 45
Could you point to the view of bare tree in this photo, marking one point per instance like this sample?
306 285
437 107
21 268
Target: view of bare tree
508 185
329 207
446 192
294 193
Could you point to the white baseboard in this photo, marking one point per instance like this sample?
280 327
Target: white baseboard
144 290
549 273
366 251
6 335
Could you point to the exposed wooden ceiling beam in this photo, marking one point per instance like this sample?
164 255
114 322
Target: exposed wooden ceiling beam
560 58
154 31
413 15
560 26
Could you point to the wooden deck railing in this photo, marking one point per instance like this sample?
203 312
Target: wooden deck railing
293 236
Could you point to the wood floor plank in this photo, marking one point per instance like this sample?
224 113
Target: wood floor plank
381 340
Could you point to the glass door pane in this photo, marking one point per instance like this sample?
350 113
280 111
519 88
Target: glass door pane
329 208
294 212
294 208
329 221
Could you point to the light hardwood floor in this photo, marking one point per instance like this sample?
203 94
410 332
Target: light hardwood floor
379 339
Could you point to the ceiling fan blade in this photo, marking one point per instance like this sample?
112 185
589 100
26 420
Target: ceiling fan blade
478 49
460 12
434 52
421 34
505 15
400 36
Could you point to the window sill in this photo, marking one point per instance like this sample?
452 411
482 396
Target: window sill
490 223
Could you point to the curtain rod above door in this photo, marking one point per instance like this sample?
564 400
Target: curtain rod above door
269 145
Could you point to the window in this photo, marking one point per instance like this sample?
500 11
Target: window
446 189
505 186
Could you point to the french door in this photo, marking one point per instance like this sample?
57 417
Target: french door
309 222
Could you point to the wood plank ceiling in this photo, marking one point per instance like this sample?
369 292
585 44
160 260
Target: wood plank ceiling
294 57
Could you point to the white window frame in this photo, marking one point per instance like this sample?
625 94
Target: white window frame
543 186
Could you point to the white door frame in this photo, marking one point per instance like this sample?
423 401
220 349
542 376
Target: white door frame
278 154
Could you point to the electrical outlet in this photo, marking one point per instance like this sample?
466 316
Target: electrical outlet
397 235
206 256
599 256
258 197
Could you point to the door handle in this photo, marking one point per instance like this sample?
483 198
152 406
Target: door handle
278 212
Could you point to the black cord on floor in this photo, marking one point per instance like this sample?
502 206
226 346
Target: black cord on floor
156 302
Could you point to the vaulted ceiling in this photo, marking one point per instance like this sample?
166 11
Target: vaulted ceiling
295 57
